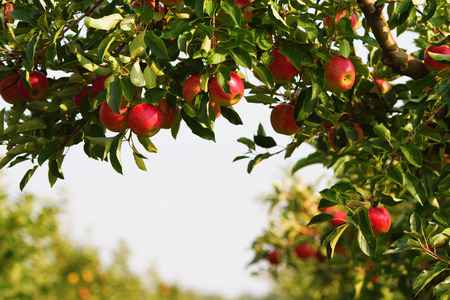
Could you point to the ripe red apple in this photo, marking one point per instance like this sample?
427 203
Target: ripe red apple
7 10
431 64
39 87
221 98
273 257
382 86
283 120
304 250
98 85
191 87
85 91
216 108
111 120
446 159
281 68
170 2
340 217
354 21
339 74
8 88
145 120
246 14
380 219
170 116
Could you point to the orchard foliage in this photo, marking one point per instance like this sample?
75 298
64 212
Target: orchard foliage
387 146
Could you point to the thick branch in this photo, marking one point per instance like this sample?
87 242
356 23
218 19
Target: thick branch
401 62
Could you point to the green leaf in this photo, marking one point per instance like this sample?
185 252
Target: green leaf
415 187
234 11
30 125
382 132
345 49
154 95
415 223
313 158
403 244
364 223
262 72
277 19
426 276
209 7
197 128
333 238
105 23
248 142
147 144
114 154
150 77
241 57
138 46
258 158
156 45
106 43
293 54
136 76
31 48
114 93
215 58
223 77
412 154
231 115
320 219
27 177
264 141
367 244
442 58
139 161
47 151
442 217
442 288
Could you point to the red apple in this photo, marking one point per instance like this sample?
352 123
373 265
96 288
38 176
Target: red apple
83 292
328 22
380 219
216 108
39 87
283 120
340 217
111 120
431 64
354 21
381 86
8 88
7 10
170 116
246 14
191 88
327 210
85 91
218 95
273 257
170 2
98 85
339 74
145 120
446 158
304 250
281 68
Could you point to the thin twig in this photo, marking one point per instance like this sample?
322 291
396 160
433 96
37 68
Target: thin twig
82 17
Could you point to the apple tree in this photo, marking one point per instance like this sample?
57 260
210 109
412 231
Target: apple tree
103 72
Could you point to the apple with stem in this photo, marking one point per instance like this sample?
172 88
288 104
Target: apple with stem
145 120
218 95
85 91
381 86
304 250
283 120
340 217
112 121
380 219
273 257
281 68
170 116
431 64
339 74
8 88
39 87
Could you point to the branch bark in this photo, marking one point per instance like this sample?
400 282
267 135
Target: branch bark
401 62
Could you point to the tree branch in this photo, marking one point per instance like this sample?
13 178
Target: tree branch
401 62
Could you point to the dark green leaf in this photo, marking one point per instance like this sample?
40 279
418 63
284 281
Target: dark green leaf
313 158
197 128
382 132
394 173
241 57
442 217
277 19
415 187
264 141
442 288
234 11
27 177
47 151
248 142
412 154
147 144
320 219
156 45
114 93
367 244
426 276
